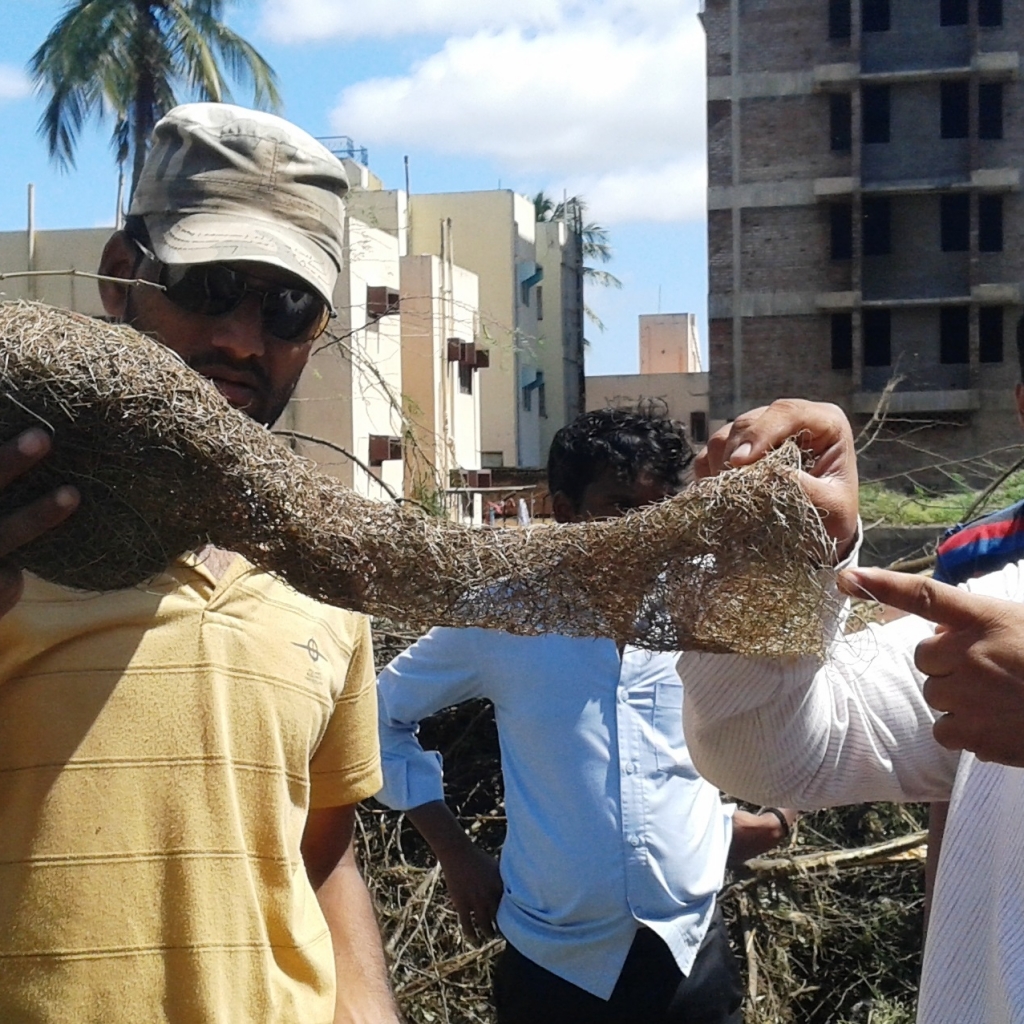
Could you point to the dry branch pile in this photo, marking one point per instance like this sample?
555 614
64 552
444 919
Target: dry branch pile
827 933
165 466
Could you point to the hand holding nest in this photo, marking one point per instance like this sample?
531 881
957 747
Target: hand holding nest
823 433
30 521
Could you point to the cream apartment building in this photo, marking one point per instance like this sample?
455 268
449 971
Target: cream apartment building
349 395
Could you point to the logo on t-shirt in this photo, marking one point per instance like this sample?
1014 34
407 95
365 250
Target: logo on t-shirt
311 648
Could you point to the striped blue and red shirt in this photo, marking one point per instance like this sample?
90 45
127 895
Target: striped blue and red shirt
984 546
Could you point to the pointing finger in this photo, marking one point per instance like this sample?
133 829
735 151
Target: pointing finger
918 595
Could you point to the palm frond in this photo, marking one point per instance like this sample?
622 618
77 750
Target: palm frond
132 61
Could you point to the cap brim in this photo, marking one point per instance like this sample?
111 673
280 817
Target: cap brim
215 238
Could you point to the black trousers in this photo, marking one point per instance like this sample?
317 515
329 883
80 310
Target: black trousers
651 989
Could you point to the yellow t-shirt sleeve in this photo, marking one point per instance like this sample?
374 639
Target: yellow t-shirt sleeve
346 766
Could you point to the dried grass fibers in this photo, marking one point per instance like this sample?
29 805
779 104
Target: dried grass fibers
166 466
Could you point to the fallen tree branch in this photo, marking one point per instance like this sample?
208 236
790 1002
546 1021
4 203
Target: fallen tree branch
912 847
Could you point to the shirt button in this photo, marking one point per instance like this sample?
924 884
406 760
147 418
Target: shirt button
634 841
623 696
630 768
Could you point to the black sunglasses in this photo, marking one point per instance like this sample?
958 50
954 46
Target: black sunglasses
216 289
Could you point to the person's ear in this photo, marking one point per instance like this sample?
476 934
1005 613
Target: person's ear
563 509
119 259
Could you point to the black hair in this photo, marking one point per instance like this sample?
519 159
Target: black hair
630 441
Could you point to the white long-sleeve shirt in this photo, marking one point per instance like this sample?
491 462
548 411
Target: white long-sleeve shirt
859 729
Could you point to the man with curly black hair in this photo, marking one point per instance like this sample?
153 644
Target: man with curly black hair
615 847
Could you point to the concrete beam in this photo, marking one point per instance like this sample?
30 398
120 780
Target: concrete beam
761 194
919 401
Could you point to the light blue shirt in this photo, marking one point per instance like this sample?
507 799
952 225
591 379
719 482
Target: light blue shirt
609 824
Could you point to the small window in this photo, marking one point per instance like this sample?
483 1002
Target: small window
990 334
874 15
839 19
841 215
955 222
954 117
539 291
954 335
842 341
990 223
952 12
990 110
875 113
381 301
877 337
542 396
839 121
465 379
876 226
384 448
698 427
990 13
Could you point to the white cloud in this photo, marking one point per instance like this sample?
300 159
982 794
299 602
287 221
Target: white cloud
289 21
618 115
669 193
14 83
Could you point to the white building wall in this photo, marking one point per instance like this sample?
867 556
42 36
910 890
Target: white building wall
492 234
439 302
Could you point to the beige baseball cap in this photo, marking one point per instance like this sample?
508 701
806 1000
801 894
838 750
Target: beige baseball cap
223 183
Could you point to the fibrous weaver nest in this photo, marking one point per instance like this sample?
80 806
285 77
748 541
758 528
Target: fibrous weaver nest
166 466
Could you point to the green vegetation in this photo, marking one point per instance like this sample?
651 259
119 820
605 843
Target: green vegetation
133 62
922 508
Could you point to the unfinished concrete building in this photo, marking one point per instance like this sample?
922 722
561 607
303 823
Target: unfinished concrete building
865 214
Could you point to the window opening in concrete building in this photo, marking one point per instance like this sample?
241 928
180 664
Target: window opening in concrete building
954 335
990 110
875 15
990 334
990 13
876 226
990 223
698 426
383 448
877 337
465 379
840 122
955 222
953 12
839 19
841 215
539 292
381 301
875 113
842 341
537 384
954 116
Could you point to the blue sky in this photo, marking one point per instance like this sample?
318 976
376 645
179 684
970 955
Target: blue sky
603 98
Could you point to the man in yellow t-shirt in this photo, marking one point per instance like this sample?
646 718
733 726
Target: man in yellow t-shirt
180 762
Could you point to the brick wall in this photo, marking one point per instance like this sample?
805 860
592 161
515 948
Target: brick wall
787 138
782 250
786 35
719 142
720 251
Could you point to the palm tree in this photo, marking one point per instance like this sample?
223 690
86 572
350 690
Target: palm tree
593 236
135 60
